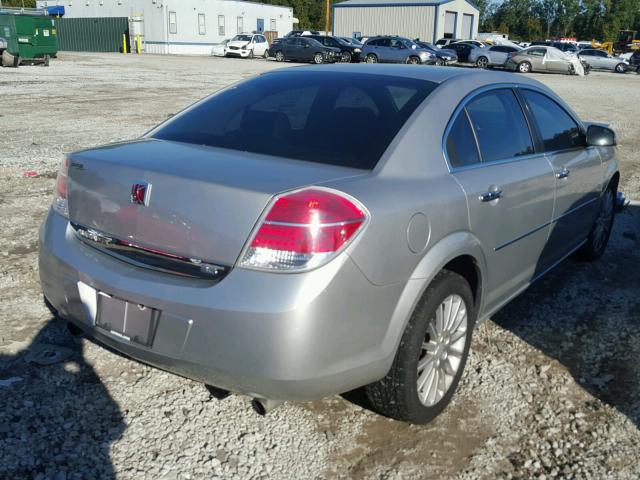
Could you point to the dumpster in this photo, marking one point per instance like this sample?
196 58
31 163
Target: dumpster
27 36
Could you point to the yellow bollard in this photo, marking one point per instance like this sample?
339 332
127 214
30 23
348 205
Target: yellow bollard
124 43
138 43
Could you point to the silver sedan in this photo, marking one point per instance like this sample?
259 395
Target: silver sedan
249 244
494 56
601 60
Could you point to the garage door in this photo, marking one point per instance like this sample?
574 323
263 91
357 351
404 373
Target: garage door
467 26
450 20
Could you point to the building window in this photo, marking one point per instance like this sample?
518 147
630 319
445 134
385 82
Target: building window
221 25
173 23
273 25
240 26
202 27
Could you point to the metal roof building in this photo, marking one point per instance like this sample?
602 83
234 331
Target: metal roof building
183 26
428 20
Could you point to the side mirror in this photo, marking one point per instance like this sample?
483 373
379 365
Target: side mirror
599 136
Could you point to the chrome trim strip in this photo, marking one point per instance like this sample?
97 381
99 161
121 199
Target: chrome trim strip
531 232
150 258
291 224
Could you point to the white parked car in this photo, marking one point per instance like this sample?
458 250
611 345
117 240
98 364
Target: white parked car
220 50
248 45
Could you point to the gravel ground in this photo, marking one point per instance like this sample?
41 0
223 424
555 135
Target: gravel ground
552 388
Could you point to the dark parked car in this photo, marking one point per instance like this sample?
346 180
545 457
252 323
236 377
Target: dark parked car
392 49
348 52
302 49
299 33
444 56
462 49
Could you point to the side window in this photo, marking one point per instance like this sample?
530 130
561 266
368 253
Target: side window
384 42
537 52
494 113
173 23
461 146
558 130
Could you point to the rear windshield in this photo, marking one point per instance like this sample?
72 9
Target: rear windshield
337 118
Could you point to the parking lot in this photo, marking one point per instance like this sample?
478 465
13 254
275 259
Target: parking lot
552 388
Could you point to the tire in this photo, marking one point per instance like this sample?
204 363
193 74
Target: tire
621 68
318 58
9 60
524 67
251 53
397 394
439 62
572 70
413 60
601 230
265 55
47 60
345 57
280 56
482 62
371 58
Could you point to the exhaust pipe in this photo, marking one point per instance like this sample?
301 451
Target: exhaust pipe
262 406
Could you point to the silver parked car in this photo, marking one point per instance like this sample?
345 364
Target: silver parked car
391 49
601 60
297 262
494 56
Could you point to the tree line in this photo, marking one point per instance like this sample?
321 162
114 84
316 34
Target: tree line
547 19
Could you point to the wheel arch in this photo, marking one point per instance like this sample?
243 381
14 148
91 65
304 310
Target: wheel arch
460 252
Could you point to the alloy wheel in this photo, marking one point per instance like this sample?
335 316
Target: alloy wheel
280 56
345 57
442 350
482 62
524 67
602 228
371 59
318 58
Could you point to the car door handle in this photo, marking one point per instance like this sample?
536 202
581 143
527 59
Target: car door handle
564 173
489 196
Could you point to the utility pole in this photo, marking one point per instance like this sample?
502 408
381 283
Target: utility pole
326 23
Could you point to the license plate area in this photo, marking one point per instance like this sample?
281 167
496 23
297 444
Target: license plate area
128 321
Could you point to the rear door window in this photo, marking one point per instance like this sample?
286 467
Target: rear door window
500 125
302 115
461 145
558 129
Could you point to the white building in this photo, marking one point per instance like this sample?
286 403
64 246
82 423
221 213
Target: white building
183 26
428 20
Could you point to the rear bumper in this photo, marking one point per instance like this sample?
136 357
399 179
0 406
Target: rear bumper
275 336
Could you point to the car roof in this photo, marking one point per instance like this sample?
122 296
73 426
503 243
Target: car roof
437 75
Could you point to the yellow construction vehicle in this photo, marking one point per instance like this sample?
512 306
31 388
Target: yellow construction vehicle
628 40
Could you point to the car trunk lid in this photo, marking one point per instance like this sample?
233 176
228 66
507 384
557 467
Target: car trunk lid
202 202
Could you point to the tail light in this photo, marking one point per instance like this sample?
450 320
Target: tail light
60 203
304 230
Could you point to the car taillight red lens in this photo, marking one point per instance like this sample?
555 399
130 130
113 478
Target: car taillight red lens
60 203
304 230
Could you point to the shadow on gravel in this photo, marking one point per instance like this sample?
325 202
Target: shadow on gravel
57 419
586 315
